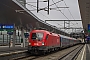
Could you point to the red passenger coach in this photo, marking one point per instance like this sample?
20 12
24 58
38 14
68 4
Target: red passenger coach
42 40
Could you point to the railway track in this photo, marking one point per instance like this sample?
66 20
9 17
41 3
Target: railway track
66 54
72 55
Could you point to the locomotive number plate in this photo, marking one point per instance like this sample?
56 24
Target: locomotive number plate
35 43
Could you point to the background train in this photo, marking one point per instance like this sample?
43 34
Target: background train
45 41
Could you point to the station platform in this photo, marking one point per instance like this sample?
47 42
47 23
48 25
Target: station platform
7 49
85 53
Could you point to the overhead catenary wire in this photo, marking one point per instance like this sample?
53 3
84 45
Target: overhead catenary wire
54 3
36 9
70 13
61 12
69 10
57 7
46 6
40 13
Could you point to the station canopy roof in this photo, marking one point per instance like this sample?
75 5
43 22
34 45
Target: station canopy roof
85 13
12 12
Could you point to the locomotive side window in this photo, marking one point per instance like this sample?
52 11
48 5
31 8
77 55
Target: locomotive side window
37 36
47 37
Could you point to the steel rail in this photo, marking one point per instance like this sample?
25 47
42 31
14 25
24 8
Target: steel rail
72 55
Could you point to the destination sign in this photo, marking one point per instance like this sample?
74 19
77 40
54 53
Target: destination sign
7 26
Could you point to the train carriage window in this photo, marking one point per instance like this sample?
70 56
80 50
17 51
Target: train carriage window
37 36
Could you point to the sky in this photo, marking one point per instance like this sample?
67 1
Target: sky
71 13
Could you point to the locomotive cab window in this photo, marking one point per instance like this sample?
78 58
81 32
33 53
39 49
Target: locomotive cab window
37 36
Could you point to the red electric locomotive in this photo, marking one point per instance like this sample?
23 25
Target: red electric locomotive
43 41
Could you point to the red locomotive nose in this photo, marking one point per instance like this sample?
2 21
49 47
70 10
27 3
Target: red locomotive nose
37 39
37 43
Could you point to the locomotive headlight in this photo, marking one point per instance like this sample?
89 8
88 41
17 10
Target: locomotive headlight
42 43
29 43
